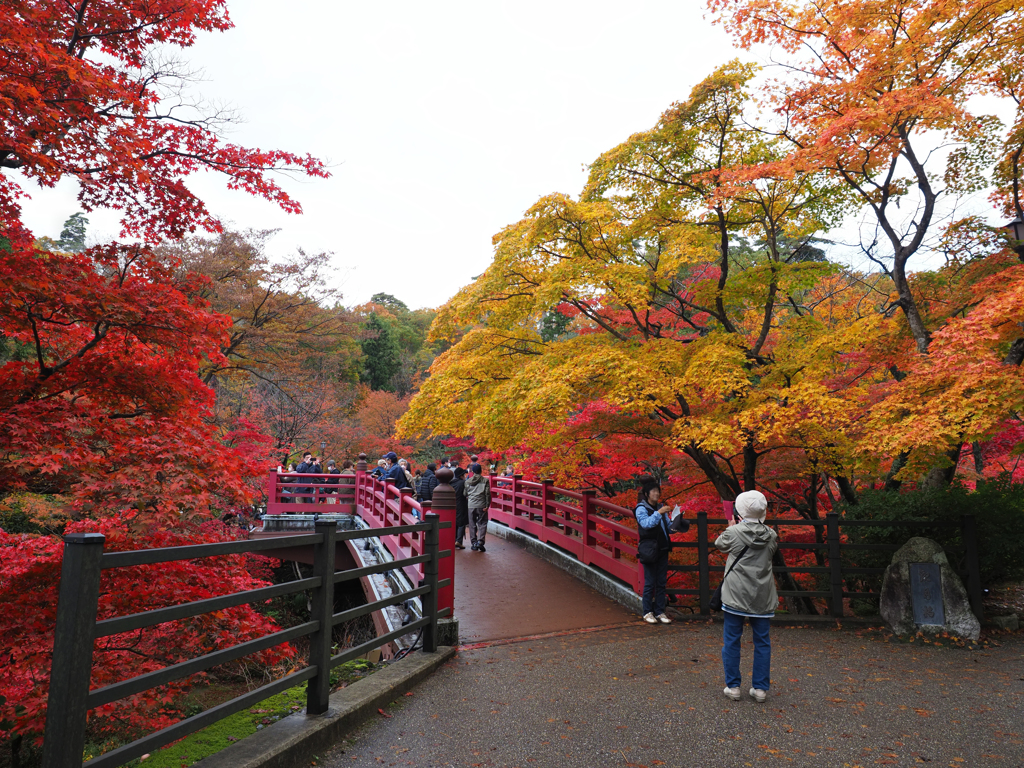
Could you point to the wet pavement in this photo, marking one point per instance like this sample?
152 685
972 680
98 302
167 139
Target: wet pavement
640 696
506 592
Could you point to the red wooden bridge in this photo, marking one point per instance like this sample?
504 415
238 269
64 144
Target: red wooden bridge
593 532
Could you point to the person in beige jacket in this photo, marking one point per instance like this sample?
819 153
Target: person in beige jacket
748 592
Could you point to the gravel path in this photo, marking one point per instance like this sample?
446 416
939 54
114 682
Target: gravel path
651 696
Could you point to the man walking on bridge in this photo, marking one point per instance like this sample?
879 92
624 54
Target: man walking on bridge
478 494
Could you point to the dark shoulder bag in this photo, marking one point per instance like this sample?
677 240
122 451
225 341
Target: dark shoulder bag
716 597
647 550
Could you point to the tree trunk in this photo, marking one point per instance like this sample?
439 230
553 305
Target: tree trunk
846 488
941 477
891 483
749 468
724 483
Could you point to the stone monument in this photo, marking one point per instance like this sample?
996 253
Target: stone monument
922 593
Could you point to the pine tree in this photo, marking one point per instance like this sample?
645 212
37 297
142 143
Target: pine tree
381 352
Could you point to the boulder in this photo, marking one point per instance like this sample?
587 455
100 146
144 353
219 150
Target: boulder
896 603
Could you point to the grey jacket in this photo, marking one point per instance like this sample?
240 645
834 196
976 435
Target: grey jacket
478 492
750 587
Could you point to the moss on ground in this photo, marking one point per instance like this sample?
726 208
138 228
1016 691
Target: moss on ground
226 732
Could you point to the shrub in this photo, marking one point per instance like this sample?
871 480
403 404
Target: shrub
997 505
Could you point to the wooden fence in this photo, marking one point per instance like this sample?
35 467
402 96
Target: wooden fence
77 628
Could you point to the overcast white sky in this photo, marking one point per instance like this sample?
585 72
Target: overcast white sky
444 121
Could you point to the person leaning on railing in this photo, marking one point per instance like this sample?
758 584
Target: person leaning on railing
331 493
748 591
286 492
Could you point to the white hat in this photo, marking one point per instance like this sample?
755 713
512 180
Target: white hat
751 505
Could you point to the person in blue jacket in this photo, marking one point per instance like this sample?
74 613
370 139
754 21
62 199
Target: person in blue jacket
653 526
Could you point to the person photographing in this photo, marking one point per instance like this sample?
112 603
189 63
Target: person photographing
653 520
748 592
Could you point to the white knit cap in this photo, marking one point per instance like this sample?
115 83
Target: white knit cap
751 505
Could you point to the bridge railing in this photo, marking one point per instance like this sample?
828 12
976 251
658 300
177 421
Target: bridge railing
384 507
291 493
585 530
77 629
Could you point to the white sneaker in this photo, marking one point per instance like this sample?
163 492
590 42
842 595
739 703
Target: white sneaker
663 618
649 618
757 695
732 693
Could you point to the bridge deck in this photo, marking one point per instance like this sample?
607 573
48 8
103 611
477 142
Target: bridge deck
506 592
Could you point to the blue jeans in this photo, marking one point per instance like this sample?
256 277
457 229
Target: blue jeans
655 580
732 633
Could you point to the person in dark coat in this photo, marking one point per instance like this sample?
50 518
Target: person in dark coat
306 467
461 507
330 493
428 483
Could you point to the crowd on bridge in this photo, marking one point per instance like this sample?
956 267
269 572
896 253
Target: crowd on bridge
471 486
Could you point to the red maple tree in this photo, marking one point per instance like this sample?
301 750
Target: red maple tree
102 412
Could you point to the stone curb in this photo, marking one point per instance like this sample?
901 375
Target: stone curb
295 739
790 620
592 577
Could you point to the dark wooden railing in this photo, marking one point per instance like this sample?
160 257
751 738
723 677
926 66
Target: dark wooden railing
586 531
77 629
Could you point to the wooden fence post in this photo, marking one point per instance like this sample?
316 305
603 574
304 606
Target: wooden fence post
516 479
271 489
67 704
835 565
970 536
318 691
703 572
361 478
404 503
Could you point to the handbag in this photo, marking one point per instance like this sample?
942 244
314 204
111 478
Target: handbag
715 603
647 551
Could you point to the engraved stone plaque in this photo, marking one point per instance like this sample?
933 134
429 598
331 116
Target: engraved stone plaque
926 593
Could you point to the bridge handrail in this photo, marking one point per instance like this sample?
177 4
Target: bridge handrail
70 697
383 506
306 492
592 537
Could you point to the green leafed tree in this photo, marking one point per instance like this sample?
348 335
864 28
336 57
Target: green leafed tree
381 354
72 235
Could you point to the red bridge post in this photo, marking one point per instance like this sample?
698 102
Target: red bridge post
361 478
443 505
272 492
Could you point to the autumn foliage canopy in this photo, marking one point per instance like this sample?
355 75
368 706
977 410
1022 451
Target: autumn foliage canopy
684 314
